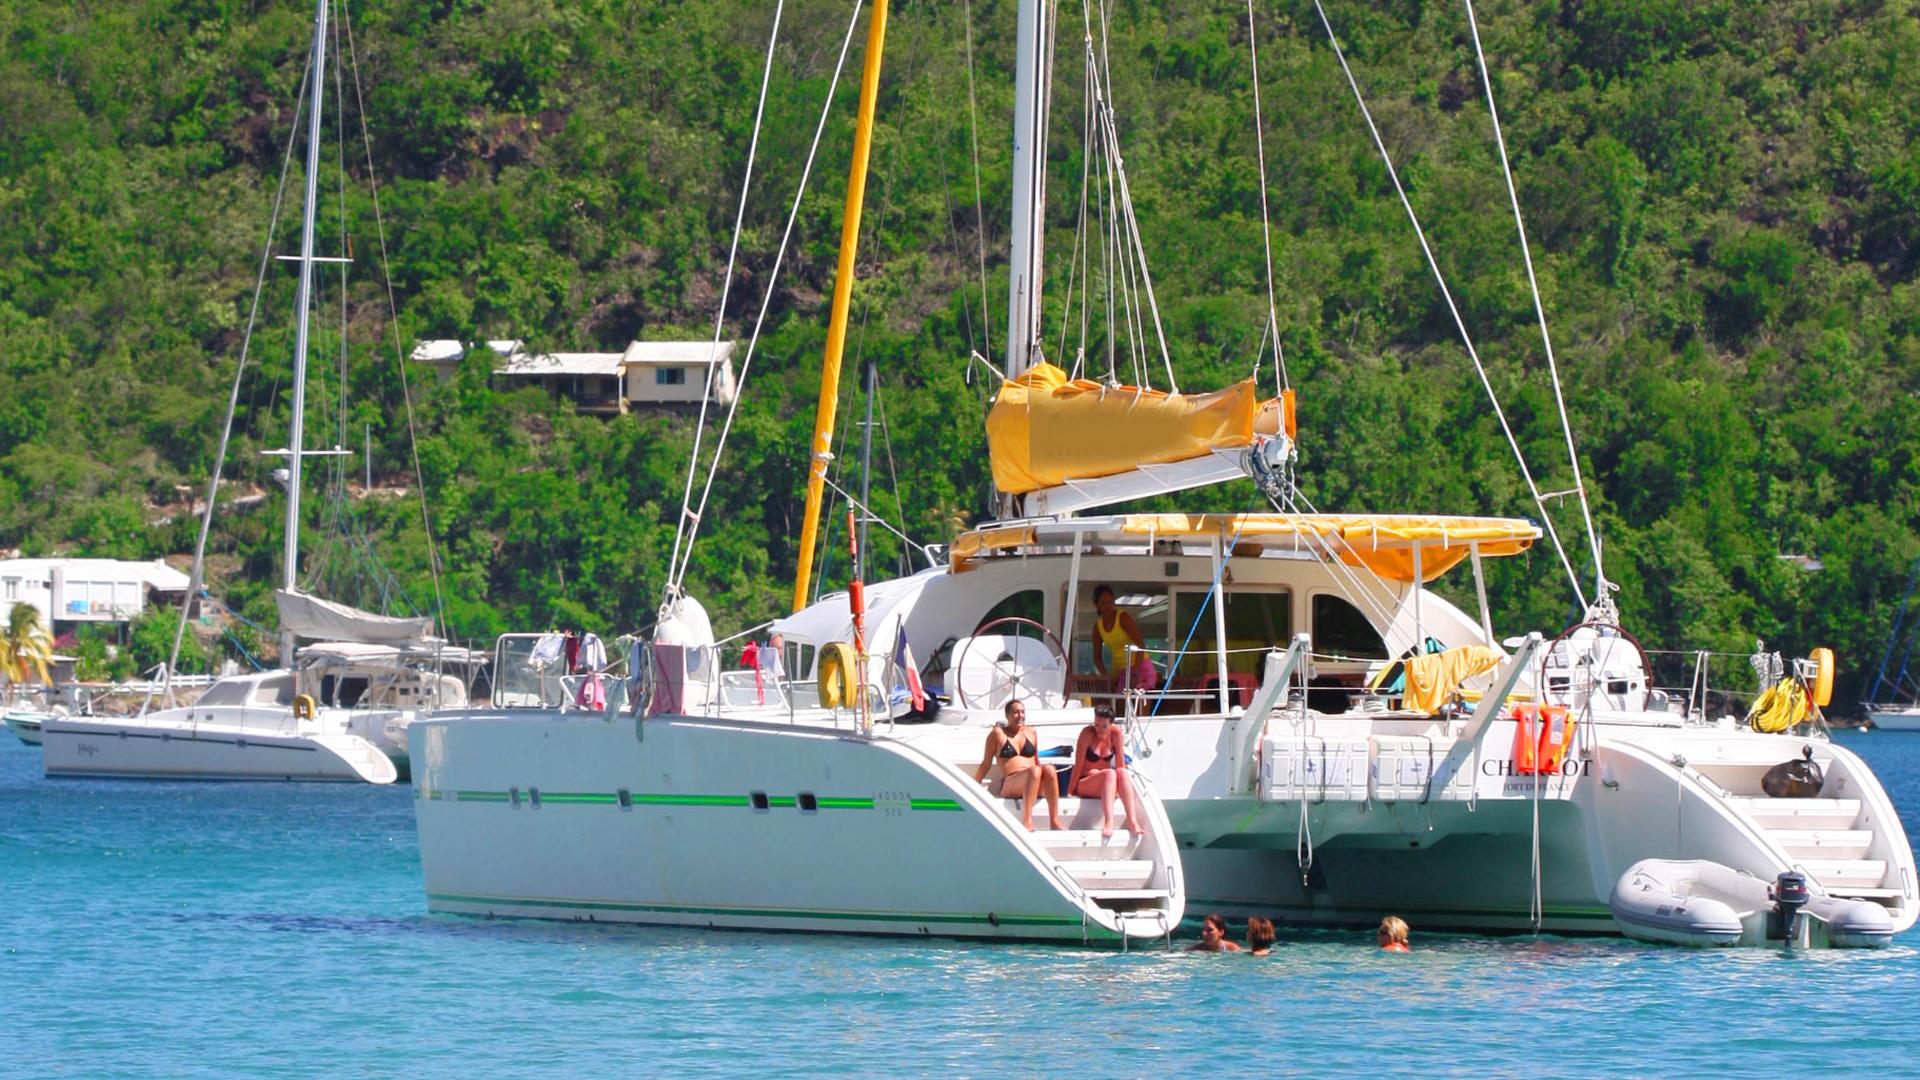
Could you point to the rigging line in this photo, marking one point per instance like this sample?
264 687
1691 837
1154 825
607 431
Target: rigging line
773 279
1073 263
1104 89
399 356
196 579
834 468
886 437
979 212
1137 241
1266 229
1351 584
867 511
1893 636
726 288
1539 309
1460 323
953 235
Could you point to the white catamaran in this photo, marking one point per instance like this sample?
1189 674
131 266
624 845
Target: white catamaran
1319 737
340 708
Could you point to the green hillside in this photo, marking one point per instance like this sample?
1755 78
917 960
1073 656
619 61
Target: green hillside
1724 201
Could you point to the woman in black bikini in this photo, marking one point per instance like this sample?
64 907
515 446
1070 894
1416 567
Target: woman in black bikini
1022 775
1100 769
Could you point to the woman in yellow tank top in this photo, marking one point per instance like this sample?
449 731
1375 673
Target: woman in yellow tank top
1117 630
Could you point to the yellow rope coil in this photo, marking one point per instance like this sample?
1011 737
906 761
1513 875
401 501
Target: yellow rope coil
1779 707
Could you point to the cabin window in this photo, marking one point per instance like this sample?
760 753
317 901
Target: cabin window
274 691
1025 604
350 689
232 692
1149 605
13 588
1341 629
1255 621
669 376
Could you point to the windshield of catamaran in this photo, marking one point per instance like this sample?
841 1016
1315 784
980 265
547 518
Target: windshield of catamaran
519 681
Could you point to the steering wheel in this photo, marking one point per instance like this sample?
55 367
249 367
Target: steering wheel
1007 674
1565 698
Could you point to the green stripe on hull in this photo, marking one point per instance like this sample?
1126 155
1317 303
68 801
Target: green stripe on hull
965 918
595 798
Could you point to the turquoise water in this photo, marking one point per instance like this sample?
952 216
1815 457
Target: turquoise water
266 930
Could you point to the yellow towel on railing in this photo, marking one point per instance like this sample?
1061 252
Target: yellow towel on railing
1432 677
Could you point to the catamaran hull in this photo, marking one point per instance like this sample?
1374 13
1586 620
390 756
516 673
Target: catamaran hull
1443 834
134 750
693 822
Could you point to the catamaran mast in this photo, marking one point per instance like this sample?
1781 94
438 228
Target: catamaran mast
1033 63
842 295
296 436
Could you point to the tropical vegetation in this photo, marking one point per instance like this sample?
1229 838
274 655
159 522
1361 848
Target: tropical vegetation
1723 200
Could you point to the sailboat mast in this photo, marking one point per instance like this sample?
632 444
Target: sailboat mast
842 296
296 436
1033 60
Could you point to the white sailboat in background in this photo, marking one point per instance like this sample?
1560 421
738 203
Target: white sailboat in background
1526 783
1893 704
338 709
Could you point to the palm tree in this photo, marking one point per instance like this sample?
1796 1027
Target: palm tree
26 646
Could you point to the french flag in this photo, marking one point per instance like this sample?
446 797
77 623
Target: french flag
903 660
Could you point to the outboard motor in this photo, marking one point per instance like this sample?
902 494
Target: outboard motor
1790 897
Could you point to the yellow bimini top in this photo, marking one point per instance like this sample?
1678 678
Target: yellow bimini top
1381 543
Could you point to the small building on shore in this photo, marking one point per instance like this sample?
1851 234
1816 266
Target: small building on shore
646 375
71 592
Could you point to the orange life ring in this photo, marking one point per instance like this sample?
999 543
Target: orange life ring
303 706
1822 687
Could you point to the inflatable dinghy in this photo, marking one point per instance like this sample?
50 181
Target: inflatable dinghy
1695 902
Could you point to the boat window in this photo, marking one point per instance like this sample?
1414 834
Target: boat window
348 692
1340 628
798 661
1255 621
516 683
1025 604
274 691
1146 601
225 692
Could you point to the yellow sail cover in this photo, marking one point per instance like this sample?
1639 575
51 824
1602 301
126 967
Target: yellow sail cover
1045 429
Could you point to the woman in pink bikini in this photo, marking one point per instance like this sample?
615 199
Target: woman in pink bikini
1100 770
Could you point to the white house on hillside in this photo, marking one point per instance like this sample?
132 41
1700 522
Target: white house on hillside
70 591
649 374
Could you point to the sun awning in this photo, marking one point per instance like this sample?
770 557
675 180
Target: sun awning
1381 543
1045 429
324 620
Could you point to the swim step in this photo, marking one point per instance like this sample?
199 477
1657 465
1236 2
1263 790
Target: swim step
1140 901
1073 845
1841 873
1797 813
1105 874
1890 897
1824 843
